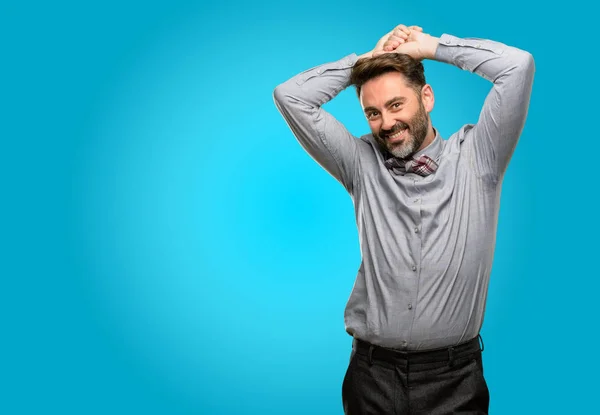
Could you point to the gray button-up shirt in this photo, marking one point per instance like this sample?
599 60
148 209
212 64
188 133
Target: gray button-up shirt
427 243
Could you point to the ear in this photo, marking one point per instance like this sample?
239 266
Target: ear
427 97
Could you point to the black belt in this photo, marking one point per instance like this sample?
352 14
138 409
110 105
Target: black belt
396 356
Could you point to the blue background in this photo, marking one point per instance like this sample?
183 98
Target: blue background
168 248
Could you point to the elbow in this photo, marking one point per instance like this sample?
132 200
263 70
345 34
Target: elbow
279 94
286 98
283 100
522 66
282 97
527 63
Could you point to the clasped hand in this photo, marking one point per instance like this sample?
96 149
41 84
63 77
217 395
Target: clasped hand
404 39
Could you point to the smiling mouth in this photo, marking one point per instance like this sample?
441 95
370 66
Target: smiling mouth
397 136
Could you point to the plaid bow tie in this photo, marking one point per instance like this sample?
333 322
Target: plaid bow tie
423 166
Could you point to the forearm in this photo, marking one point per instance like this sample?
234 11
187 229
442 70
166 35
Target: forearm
311 89
368 54
503 115
487 58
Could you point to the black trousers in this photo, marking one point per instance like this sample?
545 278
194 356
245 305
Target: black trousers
383 381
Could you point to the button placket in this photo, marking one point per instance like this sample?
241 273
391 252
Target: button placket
416 246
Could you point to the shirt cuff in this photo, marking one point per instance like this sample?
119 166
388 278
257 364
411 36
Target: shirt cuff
450 46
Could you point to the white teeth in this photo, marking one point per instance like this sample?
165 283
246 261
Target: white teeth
398 134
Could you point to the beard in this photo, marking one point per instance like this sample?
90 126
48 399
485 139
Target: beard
416 131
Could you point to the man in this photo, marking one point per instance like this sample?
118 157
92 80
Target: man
426 211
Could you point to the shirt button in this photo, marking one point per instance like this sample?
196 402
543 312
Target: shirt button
319 71
416 230
447 41
478 45
414 268
410 306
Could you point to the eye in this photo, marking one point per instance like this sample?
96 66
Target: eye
372 115
396 105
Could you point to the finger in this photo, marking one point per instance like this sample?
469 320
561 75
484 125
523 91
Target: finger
395 38
403 28
400 34
390 47
398 40
390 33
417 28
393 44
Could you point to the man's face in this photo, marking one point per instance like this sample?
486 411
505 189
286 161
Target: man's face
396 114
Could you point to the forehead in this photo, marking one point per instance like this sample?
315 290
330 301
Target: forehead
378 90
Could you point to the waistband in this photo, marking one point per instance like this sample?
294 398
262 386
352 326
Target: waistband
396 356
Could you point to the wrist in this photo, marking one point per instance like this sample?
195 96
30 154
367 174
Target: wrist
430 47
369 54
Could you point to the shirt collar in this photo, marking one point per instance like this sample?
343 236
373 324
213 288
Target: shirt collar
433 150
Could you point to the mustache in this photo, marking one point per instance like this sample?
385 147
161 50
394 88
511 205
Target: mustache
397 127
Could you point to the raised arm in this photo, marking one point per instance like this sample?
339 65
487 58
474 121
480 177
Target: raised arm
300 101
504 112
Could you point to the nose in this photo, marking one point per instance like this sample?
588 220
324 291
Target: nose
388 122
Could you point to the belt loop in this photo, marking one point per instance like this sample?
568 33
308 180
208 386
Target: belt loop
481 347
450 356
371 354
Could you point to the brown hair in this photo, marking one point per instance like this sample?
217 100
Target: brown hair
366 69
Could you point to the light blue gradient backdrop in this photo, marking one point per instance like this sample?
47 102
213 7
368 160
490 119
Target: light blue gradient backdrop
168 247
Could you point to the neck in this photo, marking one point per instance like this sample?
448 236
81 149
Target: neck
428 138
